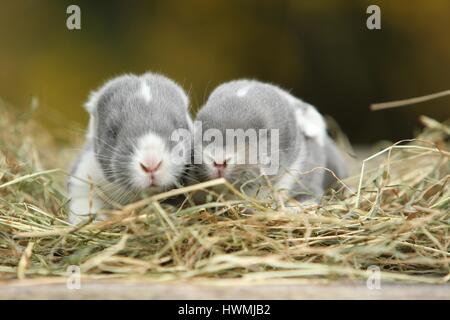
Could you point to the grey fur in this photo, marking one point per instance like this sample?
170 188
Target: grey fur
121 115
265 106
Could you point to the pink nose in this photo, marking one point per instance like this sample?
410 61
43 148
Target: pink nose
150 168
220 167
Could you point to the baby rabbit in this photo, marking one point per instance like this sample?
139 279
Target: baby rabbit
297 146
128 145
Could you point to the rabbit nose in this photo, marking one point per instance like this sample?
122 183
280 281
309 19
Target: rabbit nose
150 168
220 165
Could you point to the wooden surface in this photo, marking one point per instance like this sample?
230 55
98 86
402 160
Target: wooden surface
222 290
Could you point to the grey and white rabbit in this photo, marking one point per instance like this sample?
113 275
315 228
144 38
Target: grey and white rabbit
303 147
128 145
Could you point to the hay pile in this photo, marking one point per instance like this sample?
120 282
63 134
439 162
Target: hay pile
396 217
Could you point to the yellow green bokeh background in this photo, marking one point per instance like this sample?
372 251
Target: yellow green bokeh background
320 50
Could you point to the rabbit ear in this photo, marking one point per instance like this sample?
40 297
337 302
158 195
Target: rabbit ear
95 96
311 123
308 119
91 104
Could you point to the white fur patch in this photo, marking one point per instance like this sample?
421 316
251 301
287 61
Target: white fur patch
83 200
308 119
145 91
242 92
91 104
95 96
158 78
311 122
150 150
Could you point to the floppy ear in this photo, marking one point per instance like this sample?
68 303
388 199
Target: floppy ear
311 122
95 96
91 103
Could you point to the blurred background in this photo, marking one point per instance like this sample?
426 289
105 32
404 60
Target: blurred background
320 50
